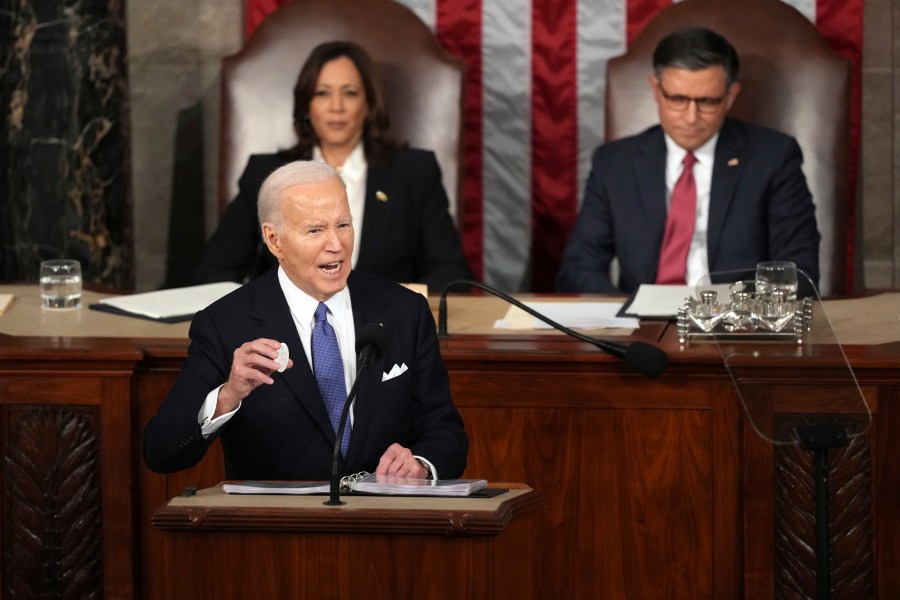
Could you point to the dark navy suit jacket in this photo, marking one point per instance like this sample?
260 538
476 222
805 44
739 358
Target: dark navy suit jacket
407 234
281 431
760 209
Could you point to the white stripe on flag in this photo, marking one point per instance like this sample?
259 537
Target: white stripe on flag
601 36
506 72
807 7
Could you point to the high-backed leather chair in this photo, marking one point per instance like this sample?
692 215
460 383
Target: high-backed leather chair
790 81
423 83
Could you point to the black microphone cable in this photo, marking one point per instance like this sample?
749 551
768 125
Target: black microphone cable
641 357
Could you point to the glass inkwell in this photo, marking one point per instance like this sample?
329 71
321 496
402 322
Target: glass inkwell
753 311
777 311
741 317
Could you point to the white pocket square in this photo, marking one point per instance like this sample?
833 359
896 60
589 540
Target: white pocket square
394 372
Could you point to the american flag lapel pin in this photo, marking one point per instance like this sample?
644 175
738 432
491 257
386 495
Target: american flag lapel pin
381 196
733 162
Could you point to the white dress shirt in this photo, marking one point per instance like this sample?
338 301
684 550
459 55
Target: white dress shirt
698 257
303 308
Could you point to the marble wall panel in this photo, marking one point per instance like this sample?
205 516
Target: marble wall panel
65 154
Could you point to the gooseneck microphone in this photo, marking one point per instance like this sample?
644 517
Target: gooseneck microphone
370 343
641 357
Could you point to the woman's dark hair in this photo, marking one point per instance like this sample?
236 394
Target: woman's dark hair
377 143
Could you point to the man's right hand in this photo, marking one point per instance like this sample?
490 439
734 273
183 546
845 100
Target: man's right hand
252 366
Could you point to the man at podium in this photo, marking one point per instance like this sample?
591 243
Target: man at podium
270 365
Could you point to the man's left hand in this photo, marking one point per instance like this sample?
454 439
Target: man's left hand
398 461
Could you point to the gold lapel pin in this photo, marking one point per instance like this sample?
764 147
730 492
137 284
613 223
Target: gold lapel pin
733 162
381 196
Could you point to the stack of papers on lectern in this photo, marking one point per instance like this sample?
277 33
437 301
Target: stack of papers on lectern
168 306
363 484
276 487
384 484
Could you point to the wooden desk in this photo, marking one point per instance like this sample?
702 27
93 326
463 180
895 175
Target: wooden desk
655 488
221 546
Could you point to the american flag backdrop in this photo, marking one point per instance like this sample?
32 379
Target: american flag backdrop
534 112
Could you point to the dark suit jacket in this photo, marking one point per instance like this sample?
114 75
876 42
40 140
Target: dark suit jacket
409 238
760 209
282 431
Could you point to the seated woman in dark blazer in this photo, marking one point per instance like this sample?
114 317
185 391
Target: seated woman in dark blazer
398 202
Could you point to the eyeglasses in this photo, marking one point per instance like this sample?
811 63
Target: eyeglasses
705 104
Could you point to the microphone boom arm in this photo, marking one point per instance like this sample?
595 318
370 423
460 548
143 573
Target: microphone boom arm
334 498
370 344
646 359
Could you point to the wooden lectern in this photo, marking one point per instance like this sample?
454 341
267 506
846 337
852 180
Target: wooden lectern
218 545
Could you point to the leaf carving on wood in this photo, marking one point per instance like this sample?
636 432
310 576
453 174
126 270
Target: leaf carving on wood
850 524
51 515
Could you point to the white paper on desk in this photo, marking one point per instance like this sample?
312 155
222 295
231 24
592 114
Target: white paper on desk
5 301
663 301
574 315
164 304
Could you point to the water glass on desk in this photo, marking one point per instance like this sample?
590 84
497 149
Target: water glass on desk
777 275
60 283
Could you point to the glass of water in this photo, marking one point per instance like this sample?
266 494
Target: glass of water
777 275
61 283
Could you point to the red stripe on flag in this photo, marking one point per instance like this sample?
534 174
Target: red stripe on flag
256 10
459 30
554 135
841 24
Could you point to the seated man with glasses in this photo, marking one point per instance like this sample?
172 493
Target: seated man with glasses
696 194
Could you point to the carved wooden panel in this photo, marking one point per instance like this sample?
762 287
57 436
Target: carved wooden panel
850 509
51 505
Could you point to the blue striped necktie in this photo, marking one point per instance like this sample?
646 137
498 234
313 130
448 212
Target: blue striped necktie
329 372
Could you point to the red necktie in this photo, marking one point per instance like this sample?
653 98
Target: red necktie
679 227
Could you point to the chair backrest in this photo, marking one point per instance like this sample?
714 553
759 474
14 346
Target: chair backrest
790 81
423 83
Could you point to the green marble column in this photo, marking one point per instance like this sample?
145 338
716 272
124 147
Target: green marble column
64 157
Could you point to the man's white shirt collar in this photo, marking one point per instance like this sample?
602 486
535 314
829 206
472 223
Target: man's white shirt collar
303 306
705 154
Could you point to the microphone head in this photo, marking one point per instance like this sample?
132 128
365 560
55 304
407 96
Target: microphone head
371 341
646 359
